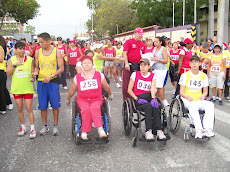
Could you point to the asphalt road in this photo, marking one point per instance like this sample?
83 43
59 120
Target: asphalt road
60 153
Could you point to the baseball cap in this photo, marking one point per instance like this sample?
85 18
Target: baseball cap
86 57
174 43
74 41
188 41
164 37
205 44
145 60
114 40
139 31
194 57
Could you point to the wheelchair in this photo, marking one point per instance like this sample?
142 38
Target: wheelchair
134 117
177 111
76 123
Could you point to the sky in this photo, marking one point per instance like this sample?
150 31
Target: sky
61 17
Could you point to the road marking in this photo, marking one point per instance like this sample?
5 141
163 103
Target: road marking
222 116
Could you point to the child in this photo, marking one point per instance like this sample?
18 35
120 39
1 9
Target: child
191 85
89 84
142 88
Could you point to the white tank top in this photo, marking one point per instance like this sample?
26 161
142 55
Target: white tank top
159 55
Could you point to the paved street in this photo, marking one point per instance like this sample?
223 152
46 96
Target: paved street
49 153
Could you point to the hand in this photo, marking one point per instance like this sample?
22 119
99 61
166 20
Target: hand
47 79
189 98
172 63
18 63
31 79
154 59
202 97
154 103
67 102
177 72
142 101
34 74
110 97
127 67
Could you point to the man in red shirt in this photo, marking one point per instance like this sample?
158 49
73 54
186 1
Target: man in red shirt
133 49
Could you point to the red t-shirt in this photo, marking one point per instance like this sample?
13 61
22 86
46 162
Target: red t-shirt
147 50
135 49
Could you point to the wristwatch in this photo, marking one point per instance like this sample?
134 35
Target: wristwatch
14 66
52 75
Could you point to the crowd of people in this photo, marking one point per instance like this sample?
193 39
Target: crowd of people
142 66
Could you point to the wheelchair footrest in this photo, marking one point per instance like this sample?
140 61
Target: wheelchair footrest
81 141
142 139
102 140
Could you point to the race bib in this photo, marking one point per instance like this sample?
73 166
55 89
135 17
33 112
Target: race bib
174 57
144 85
73 54
62 51
204 66
215 69
195 83
109 54
119 56
227 63
88 84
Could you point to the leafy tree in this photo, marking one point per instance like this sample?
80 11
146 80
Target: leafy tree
20 10
11 28
29 29
53 37
150 12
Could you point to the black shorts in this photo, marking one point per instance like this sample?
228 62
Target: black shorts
72 70
172 72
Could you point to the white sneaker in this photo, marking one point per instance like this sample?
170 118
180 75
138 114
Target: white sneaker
2 112
198 134
65 88
166 103
120 79
217 98
22 131
160 135
10 107
209 133
118 85
102 133
50 106
33 134
84 136
149 135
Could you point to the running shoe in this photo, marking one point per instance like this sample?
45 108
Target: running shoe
118 85
44 131
229 100
221 103
166 103
217 98
10 107
227 97
65 88
209 133
212 100
149 135
161 135
84 136
22 132
102 133
56 131
198 134
50 106
120 79
33 134
2 112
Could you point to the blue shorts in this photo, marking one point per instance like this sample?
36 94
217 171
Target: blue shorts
48 92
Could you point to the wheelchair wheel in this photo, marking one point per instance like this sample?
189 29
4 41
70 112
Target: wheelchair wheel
107 117
175 114
164 118
73 118
127 113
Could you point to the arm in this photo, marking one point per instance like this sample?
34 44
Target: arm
165 55
127 67
8 52
32 71
130 89
182 94
106 87
1 55
72 91
10 69
205 93
224 66
36 70
153 89
181 57
102 57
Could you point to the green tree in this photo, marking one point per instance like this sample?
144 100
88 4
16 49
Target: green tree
29 29
53 37
108 15
11 28
159 12
20 10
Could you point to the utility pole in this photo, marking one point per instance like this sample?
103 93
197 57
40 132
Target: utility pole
92 22
117 28
194 11
183 12
211 19
173 15
226 21
220 22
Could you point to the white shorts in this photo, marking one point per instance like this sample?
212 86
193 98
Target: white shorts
217 79
108 63
160 77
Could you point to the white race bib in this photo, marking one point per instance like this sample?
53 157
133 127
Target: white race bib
215 69
109 54
88 84
174 57
204 66
144 85
73 54
119 55
195 83
227 62
62 52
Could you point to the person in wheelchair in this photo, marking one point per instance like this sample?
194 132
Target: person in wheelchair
142 88
89 85
191 85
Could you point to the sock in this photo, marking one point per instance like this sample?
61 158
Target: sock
99 129
23 126
32 127
219 99
214 97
